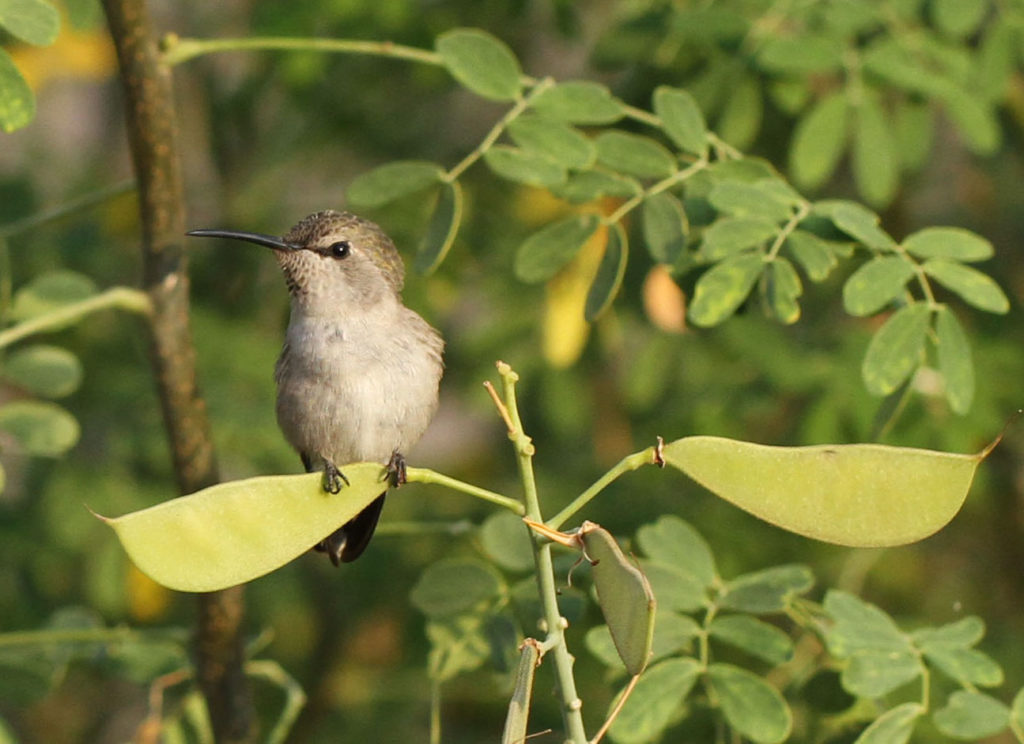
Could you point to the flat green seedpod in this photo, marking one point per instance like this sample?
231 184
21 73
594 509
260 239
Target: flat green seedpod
861 495
235 532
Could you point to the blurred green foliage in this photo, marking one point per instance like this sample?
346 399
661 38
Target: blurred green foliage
270 137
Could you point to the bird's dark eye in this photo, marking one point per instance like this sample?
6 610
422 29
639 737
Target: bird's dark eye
340 249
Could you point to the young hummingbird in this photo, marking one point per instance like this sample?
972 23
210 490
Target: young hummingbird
358 376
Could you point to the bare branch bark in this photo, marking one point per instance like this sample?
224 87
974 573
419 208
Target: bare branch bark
153 137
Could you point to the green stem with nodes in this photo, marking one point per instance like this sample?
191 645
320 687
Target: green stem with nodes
626 464
424 475
663 185
120 298
176 50
496 131
555 641
787 230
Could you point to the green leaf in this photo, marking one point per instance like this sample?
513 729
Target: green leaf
579 102
861 626
675 587
740 120
995 61
590 185
507 542
47 371
967 666
895 349
545 252
634 155
857 494
235 532
953 243
674 542
457 645
655 699
974 119
40 428
554 140
672 634
750 705
780 288
682 120
973 286
444 225
892 727
872 674
1017 709
17 102
730 235
624 596
800 55
958 18
33 21
724 287
524 166
665 227
760 199
754 636
874 159
955 361
768 590
963 633
818 141
481 63
392 181
857 221
51 291
812 253
971 716
454 585
610 273
913 127
875 284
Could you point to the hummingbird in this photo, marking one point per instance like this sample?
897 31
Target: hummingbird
358 376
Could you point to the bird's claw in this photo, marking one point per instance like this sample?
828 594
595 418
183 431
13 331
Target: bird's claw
333 478
394 471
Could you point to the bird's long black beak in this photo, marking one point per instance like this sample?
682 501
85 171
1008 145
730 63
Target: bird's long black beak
270 241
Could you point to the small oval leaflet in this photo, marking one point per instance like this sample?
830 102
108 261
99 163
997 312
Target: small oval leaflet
609 274
444 224
391 181
579 102
481 63
40 428
549 249
235 532
819 141
894 352
31 21
861 495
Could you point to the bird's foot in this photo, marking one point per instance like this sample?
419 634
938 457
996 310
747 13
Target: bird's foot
333 478
394 471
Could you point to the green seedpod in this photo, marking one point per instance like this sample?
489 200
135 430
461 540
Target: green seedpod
235 532
861 495
625 597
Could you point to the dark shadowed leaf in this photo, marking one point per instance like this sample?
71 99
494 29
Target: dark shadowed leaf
955 361
875 162
767 591
756 637
857 221
751 706
444 224
610 273
681 118
545 252
454 585
780 288
895 350
665 227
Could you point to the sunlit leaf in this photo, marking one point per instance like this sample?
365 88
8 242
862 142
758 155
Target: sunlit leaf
391 181
235 532
634 155
657 695
876 283
819 141
625 598
874 159
751 706
892 727
724 287
40 428
780 288
971 716
895 350
481 62
548 250
812 253
973 286
33 21
682 119
441 231
859 494
609 274
17 102
953 243
579 102
955 362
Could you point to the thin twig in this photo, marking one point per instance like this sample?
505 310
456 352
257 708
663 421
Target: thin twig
615 711
502 410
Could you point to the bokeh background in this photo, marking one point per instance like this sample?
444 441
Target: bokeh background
270 137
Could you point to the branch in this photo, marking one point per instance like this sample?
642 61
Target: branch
153 137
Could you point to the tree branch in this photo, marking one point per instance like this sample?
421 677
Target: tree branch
153 138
